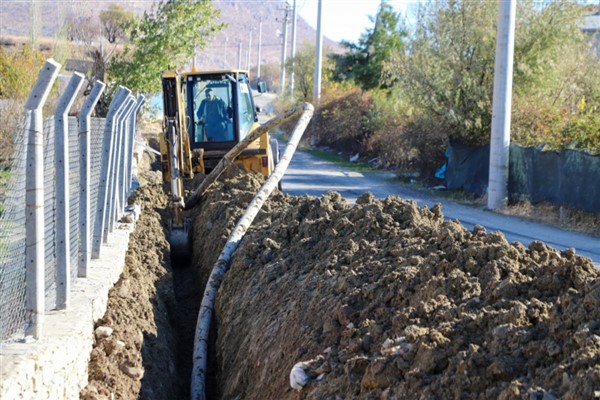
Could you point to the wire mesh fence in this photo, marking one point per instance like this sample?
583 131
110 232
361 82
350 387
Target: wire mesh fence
64 196
49 215
12 239
73 195
96 143
12 225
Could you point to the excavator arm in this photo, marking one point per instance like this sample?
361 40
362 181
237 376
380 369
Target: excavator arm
175 161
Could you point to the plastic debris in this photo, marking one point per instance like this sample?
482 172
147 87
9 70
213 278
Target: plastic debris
298 376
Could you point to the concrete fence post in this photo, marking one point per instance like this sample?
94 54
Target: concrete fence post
140 102
110 206
101 208
124 173
34 219
128 151
63 226
123 153
85 222
113 203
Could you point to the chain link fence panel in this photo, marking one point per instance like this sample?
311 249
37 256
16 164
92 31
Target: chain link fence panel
13 318
49 215
74 190
12 241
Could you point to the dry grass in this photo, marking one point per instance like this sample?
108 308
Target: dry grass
47 46
563 217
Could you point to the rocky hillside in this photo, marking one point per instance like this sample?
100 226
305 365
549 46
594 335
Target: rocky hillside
241 16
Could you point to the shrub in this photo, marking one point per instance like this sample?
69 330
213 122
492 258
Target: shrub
340 119
402 139
18 72
538 123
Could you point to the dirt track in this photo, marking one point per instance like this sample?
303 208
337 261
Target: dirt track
381 300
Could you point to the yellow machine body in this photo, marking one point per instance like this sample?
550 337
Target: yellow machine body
212 112
205 115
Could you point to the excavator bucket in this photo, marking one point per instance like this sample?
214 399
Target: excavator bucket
181 250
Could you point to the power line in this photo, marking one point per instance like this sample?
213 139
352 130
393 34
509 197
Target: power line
234 45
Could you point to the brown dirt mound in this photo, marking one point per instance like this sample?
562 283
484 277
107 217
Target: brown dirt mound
386 300
380 300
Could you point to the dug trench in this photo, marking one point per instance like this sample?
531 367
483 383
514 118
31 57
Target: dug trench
377 300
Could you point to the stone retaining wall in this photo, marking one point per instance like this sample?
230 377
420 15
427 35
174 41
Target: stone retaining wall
55 367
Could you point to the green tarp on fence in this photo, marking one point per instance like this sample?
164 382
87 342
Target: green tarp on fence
570 178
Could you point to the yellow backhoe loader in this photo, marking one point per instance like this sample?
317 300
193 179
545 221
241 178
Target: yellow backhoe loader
205 115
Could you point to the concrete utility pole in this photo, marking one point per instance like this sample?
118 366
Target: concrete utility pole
225 52
249 48
294 23
284 49
319 56
502 103
35 9
194 59
259 48
240 55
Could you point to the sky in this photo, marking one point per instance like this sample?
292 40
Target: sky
345 19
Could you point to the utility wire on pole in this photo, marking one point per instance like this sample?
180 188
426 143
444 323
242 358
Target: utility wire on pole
319 56
501 106
294 23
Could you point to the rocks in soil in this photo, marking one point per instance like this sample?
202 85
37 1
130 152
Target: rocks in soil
103 332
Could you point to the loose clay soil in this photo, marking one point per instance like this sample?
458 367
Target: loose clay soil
378 300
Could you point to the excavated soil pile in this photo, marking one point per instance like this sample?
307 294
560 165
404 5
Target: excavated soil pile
135 354
386 300
380 300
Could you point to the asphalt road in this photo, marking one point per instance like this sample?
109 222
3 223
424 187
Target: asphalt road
310 175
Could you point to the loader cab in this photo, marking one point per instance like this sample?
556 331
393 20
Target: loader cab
206 115
219 108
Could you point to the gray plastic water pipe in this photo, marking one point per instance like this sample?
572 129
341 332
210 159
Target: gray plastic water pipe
223 262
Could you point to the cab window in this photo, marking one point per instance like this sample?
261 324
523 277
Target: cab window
246 111
211 116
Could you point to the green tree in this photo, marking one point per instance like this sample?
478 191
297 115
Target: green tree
303 67
449 70
162 39
115 21
556 96
365 61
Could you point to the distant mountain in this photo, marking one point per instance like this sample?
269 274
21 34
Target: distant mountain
242 17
